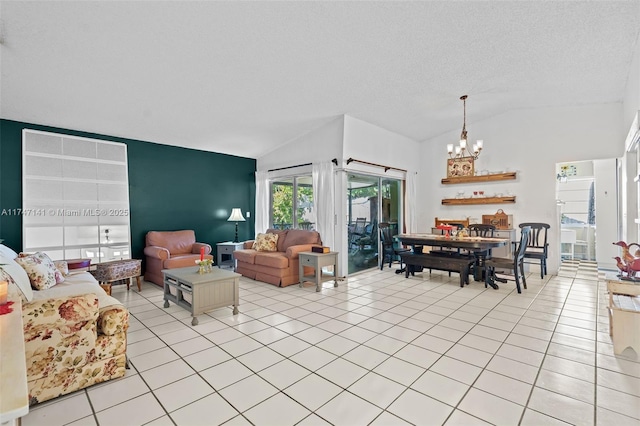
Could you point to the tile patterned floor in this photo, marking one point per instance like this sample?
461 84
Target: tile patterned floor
378 350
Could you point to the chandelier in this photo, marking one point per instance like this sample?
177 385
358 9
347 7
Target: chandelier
463 150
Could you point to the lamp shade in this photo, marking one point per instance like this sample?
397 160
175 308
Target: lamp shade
236 216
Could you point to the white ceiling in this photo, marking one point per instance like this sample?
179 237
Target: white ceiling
245 77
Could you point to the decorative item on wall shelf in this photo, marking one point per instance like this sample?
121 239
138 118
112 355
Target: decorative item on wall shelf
460 167
500 220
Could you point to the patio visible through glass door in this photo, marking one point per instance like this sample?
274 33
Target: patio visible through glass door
370 200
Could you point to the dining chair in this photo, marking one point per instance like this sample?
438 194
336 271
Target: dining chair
537 246
357 231
388 247
516 264
484 231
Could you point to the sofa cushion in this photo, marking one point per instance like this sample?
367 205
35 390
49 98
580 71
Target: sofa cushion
267 242
75 284
40 270
245 255
15 274
177 242
282 234
300 236
274 259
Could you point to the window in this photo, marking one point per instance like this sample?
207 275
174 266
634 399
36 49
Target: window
75 197
292 203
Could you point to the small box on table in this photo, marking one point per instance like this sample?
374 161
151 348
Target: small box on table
317 249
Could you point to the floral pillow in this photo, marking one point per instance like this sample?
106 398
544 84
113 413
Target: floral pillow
266 242
40 269
63 268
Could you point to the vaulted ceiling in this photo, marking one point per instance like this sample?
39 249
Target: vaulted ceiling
245 77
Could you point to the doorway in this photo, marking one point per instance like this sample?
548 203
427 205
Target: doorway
370 201
575 192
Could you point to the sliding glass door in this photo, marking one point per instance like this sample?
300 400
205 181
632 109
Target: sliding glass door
370 201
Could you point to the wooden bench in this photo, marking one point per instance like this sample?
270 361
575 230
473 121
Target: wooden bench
461 265
624 315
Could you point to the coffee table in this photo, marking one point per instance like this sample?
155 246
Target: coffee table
211 290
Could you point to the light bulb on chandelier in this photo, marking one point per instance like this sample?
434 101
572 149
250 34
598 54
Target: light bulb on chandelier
463 150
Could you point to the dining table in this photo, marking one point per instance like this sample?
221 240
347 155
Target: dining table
479 246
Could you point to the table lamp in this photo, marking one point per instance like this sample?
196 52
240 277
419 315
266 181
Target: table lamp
236 216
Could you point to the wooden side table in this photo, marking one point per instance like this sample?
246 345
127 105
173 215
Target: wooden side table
318 261
624 314
225 253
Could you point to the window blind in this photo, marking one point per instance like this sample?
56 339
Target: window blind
75 199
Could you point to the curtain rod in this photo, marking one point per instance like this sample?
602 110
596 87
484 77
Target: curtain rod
386 168
334 161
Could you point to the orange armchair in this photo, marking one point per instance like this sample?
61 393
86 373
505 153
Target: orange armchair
169 250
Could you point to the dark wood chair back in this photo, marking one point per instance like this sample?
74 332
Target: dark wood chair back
537 245
480 230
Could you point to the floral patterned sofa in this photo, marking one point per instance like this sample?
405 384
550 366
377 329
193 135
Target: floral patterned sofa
75 334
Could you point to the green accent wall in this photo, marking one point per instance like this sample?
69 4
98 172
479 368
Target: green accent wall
170 188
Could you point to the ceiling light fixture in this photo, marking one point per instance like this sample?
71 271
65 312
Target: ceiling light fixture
462 150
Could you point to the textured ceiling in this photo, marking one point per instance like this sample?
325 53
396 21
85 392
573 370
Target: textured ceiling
245 77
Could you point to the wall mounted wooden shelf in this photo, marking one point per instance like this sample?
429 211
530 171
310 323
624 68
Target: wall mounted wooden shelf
480 200
479 178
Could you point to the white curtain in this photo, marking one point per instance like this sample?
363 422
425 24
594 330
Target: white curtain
324 202
411 214
262 201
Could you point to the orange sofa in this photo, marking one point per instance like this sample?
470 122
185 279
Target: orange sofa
278 267
169 250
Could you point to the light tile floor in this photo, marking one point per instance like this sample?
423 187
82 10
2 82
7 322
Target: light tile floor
379 349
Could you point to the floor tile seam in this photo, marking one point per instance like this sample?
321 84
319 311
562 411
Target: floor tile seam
540 368
139 373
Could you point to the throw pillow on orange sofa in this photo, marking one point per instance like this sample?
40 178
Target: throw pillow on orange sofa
266 242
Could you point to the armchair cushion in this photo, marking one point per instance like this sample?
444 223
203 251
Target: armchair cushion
176 242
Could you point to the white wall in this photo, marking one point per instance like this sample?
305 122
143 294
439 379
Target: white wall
606 212
630 230
367 142
321 144
530 142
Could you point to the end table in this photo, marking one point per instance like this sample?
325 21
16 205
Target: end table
225 253
317 261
